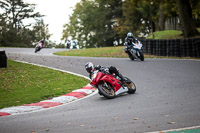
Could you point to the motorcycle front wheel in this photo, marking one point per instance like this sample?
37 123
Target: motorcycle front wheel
131 86
37 49
141 57
130 56
106 90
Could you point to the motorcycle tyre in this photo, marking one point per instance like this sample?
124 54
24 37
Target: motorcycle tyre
101 92
130 90
141 57
131 56
37 49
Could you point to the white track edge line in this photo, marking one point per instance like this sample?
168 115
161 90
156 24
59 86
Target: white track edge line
179 129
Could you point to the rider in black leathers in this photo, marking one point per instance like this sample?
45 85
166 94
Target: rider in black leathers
90 68
129 40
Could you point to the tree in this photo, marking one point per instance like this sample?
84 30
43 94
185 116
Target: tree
40 30
110 12
98 23
93 23
138 17
82 24
186 18
13 30
17 10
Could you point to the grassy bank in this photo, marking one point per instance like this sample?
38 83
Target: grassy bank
96 52
24 83
168 34
108 52
119 51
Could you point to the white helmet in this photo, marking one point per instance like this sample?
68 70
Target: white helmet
130 35
89 67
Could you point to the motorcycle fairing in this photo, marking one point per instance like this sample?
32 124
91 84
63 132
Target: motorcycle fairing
108 78
97 76
113 81
137 46
121 90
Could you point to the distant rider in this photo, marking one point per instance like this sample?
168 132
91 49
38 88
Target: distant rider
41 44
68 43
129 40
90 68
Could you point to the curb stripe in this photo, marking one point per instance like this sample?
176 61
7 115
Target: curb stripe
83 90
4 114
69 97
20 109
89 88
61 99
76 94
44 104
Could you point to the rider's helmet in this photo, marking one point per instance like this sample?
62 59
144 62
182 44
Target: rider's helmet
130 35
89 67
130 38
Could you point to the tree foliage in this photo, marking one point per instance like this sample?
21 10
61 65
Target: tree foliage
186 17
13 30
98 23
93 23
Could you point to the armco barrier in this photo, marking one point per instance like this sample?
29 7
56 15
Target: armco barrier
172 47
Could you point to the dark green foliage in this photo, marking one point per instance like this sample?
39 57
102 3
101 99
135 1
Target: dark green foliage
93 23
13 31
99 23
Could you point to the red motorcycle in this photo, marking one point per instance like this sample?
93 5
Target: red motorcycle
110 86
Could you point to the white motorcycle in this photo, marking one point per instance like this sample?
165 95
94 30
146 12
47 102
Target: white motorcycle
134 51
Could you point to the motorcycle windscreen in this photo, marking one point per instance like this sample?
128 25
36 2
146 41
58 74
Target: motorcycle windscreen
96 79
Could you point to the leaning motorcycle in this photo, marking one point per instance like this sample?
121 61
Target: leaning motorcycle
110 86
134 51
37 48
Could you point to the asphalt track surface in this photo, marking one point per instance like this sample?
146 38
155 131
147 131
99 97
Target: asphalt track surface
167 97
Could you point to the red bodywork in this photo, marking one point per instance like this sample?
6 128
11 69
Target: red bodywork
43 45
100 77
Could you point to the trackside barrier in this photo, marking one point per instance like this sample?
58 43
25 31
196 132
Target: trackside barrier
3 59
172 47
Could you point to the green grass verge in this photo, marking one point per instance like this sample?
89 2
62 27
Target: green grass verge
96 52
109 52
24 83
167 34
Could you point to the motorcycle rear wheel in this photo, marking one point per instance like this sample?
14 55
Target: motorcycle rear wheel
131 86
106 90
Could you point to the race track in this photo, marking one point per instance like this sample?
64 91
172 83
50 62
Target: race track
167 97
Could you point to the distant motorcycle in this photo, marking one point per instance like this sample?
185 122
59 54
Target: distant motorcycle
134 51
110 86
39 46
